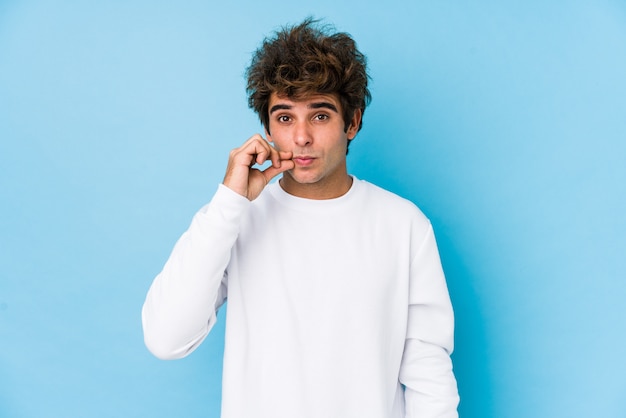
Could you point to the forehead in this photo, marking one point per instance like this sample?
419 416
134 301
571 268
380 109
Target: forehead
305 101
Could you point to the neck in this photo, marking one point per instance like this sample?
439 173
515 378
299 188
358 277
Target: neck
321 190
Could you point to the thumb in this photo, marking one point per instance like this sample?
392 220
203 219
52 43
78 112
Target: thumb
270 172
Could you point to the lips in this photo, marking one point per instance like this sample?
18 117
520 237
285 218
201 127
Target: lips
303 160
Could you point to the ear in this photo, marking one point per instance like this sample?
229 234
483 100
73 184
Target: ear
354 124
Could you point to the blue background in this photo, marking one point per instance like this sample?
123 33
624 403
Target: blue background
504 121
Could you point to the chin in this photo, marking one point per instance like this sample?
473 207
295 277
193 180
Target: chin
303 178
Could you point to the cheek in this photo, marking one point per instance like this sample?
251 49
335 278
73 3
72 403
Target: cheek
278 143
281 138
341 144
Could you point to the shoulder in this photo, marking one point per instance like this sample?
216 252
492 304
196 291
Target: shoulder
395 212
386 202
395 219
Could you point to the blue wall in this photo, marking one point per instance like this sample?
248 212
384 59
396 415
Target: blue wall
504 121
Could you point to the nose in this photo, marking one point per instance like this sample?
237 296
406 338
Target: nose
302 135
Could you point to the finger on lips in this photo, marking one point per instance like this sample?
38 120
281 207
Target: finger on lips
259 150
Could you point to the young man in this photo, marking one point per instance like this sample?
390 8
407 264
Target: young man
337 303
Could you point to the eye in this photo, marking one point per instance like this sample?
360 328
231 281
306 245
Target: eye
283 118
321 116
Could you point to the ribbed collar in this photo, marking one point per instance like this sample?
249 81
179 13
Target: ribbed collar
313 205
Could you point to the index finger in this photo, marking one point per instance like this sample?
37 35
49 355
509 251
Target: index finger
259 149
275 156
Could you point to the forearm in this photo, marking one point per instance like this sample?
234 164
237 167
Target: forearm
426 370
181 304
430 385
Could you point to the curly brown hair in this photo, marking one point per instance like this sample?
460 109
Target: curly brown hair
305 59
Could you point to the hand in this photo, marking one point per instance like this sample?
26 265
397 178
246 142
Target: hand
247 181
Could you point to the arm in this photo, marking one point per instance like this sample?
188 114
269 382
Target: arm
180 308
181 305
426 369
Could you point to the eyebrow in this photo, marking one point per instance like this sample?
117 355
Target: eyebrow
279 107
324 105
316 105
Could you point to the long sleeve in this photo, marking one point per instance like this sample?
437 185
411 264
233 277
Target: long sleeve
426 369
180 307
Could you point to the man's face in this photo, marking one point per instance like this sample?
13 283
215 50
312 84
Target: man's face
313 129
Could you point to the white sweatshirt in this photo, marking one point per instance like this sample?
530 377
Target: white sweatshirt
336 308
